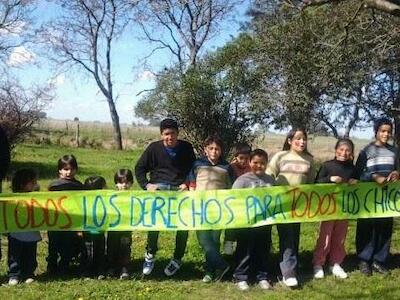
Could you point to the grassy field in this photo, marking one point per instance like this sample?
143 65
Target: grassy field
187 284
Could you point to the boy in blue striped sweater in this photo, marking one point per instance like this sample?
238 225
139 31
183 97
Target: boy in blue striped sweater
378 162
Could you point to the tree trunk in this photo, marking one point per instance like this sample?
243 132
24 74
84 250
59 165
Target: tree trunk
355 117
115 122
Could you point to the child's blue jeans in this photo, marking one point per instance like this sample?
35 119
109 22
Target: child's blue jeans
181 236
210 242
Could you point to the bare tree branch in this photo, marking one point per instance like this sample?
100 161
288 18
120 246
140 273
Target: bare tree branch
388 6
83 37
189 24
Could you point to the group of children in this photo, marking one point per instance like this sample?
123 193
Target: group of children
88 247
171 164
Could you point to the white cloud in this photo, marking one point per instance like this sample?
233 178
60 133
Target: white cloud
20 56
146 75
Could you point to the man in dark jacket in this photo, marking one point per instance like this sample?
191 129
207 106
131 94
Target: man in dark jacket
4 159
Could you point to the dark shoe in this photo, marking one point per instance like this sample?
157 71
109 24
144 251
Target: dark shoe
220 273
365 268
52 269
377 267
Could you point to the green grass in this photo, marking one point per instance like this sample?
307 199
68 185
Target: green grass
43 158
91 134
187 284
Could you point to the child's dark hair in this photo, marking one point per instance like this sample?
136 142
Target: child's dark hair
21 178
215 139
258 152
67 160
290 135
168 124
349 143
95 183
345 141
382 121
241 148
123 175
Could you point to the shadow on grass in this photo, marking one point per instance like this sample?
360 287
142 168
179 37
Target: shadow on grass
189 271
193 270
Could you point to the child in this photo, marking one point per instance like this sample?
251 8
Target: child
253 244
240 163
61 243
332 234
168 163
95 243
240 166
119 242
22 246
292 166
378 162
211 172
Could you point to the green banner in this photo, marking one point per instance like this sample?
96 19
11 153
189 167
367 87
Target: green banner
218 209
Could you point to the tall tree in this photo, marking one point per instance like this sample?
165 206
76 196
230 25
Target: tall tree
82 36
327 64
182 27
292 84
213 98
20 106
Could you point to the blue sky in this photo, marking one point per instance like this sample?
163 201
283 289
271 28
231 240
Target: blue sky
79 96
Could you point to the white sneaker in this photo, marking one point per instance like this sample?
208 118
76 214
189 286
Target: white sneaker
148 264
318 272
124 274
29 280
290 282
207 278
338 271
264 284
13 281
173 266
242 285
229 247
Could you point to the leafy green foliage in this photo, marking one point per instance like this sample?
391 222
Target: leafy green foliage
327 67
212 98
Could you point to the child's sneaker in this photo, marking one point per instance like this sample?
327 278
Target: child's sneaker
318 272
229 247
110 272
124 274
29 280
173 266
338 272
208 278
13 281
242 285
148 264
264 284
290 282
101 277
